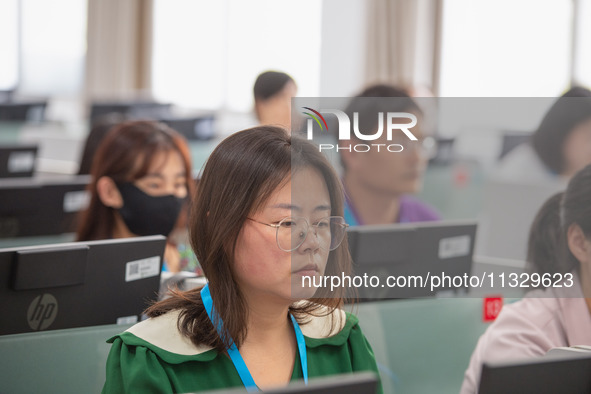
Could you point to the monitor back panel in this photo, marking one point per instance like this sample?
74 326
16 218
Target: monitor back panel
31 208
17 161
415 252
109 282
446 249
539 376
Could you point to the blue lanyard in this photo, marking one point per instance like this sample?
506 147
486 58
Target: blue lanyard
234 354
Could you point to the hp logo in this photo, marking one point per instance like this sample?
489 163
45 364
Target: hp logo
42 312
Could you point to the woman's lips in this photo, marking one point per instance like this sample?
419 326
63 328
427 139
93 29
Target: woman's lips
307 270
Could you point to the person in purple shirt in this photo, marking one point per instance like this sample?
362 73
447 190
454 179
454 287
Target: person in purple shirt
379 182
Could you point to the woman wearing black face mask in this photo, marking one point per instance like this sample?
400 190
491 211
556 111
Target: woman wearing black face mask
141 180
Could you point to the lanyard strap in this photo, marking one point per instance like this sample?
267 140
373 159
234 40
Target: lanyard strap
235 355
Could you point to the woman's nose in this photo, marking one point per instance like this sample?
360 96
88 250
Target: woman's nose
311 241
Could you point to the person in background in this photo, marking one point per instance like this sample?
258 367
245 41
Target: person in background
379 183
98 131
273 91
254 324
554 316
560 146
141 178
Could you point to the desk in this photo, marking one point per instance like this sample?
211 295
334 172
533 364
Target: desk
60 361
422 345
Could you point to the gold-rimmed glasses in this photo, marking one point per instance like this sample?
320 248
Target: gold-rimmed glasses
291 232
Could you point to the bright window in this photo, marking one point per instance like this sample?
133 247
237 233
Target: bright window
207 54
53 46
505 48
8 44
583 44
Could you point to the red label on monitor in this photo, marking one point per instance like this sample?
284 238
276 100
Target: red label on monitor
491 307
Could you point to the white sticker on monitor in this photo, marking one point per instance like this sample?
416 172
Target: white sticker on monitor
21 162
127 319
144 268
76 201
454 247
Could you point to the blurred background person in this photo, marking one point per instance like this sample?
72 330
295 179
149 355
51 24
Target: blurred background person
379 184
560 146
273 91
554 316
141 179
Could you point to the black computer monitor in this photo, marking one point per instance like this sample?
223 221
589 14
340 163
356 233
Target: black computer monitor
353 383
543 375
196 128
32 111
413 251
136 109
78 284
33 207
17 161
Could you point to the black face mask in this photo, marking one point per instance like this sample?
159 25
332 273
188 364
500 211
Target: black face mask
148 215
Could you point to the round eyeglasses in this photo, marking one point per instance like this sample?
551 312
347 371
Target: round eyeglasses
292 232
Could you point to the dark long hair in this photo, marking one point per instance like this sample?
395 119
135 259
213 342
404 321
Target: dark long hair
125 155
99 130
239 177
576 209
570 110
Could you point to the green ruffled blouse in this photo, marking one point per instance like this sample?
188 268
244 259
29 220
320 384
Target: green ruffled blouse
172 364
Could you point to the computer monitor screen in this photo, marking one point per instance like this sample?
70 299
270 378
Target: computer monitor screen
17 161
198 128
544 375
134 109
406 257
78 284
32 207
32 111
353 383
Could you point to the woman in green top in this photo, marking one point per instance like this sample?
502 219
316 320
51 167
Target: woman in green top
267 221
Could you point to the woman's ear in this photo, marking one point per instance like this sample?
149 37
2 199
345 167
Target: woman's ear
108 192
578 244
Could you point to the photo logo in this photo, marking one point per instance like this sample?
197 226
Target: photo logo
393 124
315 117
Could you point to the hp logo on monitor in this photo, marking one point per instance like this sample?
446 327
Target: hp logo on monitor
42 312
